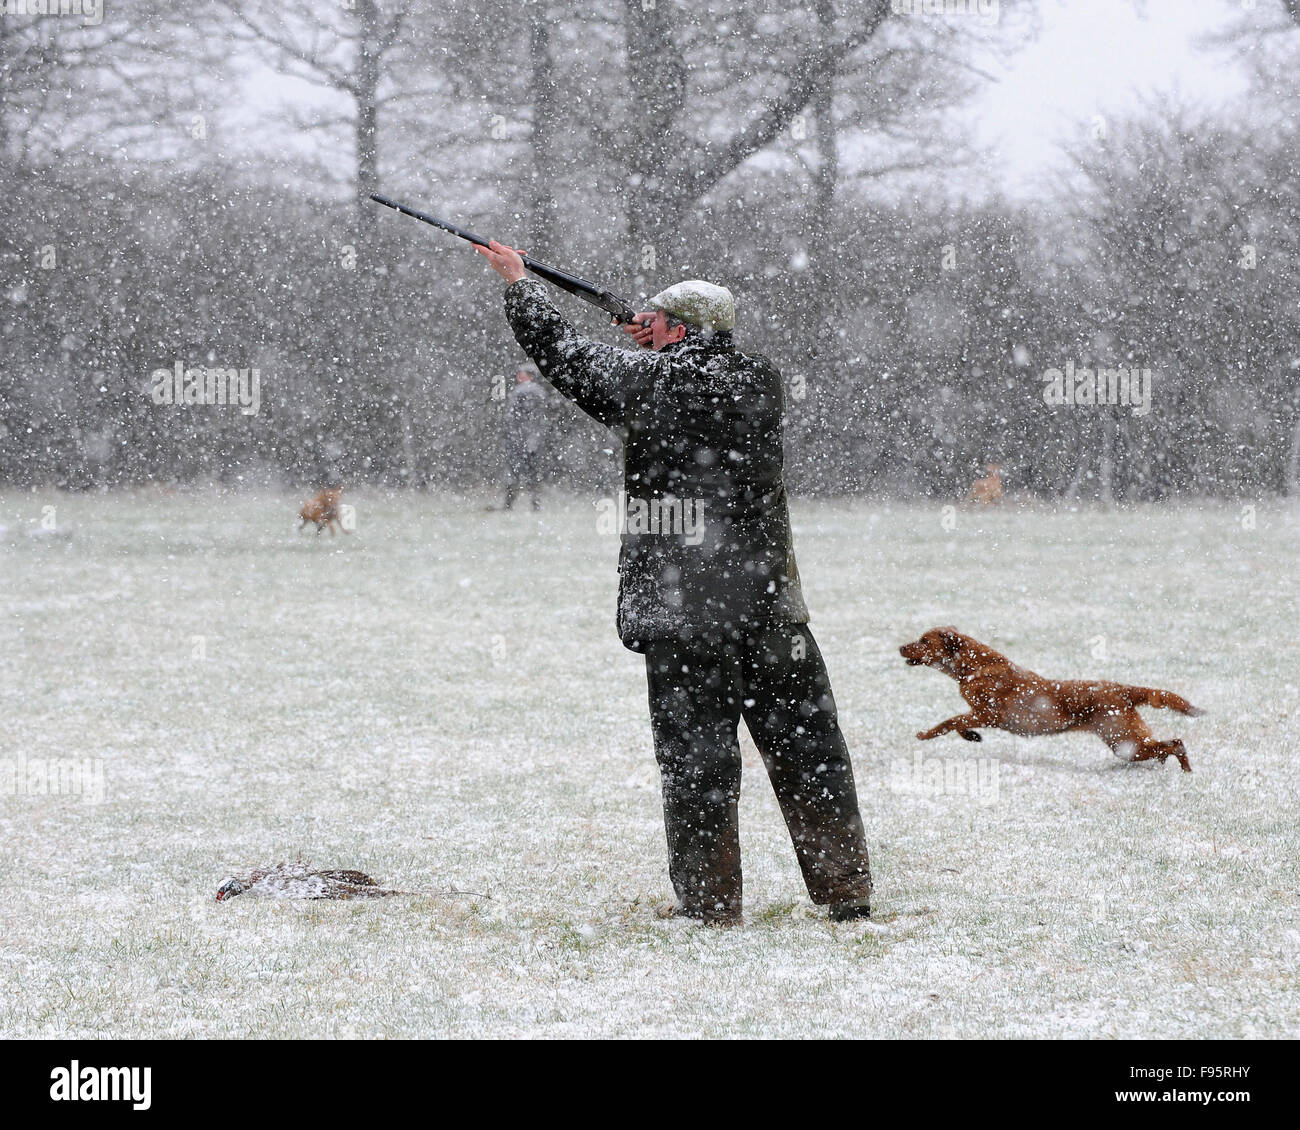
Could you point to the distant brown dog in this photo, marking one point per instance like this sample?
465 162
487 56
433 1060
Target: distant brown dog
323 510
988 489
1011 698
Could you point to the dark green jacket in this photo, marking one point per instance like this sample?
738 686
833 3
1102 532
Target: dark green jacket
705 531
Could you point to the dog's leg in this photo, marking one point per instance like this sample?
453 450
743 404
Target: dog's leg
1125 733
1177 748
963 723
1129 737
1151 749
1174 748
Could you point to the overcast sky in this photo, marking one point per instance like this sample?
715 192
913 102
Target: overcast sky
1094 57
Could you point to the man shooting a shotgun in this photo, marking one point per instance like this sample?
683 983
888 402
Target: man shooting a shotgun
716 608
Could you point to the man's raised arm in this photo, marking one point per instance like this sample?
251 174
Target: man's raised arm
595 376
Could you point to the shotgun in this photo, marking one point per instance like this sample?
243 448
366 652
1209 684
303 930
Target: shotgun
608 301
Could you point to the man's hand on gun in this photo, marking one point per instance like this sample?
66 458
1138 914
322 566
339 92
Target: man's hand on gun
640 329
507 263
505 260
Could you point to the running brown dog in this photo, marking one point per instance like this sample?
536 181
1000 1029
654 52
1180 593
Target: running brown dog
323 510
1011 698
988 490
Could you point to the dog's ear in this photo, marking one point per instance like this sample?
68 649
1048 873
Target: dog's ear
951 639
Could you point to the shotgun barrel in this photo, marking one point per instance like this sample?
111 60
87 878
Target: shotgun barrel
614 305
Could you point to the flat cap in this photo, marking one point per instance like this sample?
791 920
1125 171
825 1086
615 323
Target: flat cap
704 305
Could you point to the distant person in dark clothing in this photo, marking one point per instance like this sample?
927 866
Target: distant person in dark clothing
708 587
523 435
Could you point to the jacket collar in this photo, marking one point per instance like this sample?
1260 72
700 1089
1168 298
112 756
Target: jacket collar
701 343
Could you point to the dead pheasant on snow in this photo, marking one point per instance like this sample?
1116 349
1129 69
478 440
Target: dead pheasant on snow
294 881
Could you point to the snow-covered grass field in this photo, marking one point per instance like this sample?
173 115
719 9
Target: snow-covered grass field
441 700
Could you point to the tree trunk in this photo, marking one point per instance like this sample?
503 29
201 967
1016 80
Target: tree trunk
544 214
6 84
657 77
821 253
1106 464
814 345
1293 460
366 80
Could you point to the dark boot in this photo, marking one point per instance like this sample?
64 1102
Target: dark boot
676 910
848 911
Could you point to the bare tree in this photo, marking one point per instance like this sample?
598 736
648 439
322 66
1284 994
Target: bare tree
348 53
1189 254
70 87
708 88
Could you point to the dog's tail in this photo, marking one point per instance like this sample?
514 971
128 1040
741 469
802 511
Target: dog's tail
1150 696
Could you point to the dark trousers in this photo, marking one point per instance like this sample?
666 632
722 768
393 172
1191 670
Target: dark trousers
524 471
775 679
